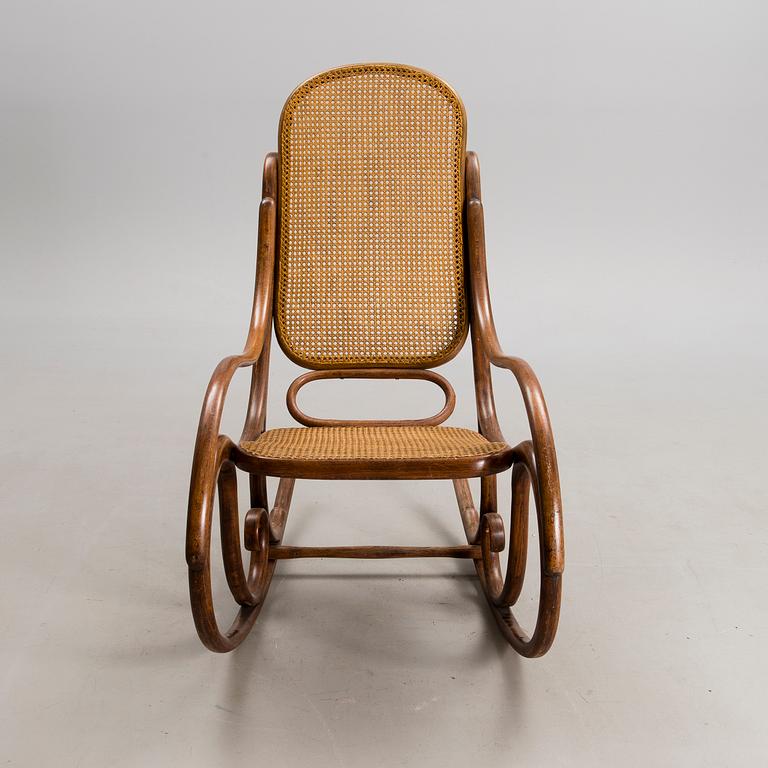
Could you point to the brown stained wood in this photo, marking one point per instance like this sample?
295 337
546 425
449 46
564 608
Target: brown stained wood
518 532
256 414
230 537
469 516
376 469
544 456
279 515
370 373
212 457
284 552
533 461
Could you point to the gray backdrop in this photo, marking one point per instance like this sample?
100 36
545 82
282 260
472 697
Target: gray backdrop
625 174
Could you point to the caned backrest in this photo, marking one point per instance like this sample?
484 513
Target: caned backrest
370 257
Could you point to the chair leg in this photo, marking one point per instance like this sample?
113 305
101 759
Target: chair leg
487 530
250 588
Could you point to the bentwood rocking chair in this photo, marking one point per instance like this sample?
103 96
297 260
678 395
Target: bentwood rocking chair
371 261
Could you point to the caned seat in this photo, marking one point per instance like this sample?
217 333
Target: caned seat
423 451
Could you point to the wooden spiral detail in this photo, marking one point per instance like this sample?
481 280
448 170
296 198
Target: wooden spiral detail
503 591
248 587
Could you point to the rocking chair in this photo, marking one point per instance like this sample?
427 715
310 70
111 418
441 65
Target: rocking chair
371 262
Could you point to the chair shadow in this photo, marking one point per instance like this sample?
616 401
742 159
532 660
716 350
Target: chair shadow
245 671
248 661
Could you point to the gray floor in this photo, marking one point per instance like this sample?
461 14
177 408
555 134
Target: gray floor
660 655
625 169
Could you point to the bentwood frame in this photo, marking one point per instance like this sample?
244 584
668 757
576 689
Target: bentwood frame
483 454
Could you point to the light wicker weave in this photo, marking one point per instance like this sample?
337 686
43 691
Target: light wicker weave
371 192
370 443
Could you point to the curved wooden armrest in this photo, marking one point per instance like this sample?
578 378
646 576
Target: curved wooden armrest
547 476
213 402
207 445
487 351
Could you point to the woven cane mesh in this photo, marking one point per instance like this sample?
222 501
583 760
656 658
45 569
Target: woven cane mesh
370 263
371 443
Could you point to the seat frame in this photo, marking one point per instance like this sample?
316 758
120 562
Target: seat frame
217 459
